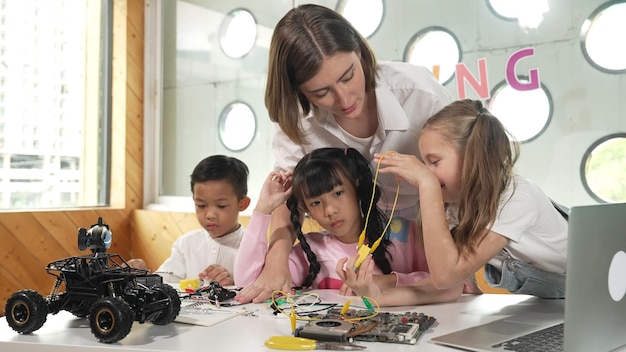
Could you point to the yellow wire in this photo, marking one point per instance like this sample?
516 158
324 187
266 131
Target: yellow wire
292 305
375 313
369 210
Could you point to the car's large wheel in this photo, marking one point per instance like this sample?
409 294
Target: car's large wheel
171 312
110 319
26 311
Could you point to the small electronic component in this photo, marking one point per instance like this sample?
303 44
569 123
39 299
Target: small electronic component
213 292
189 284
326 330
387 327
216 292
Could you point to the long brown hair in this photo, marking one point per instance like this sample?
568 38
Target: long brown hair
301 40
489 153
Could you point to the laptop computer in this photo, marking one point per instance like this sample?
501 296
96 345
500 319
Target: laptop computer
594 314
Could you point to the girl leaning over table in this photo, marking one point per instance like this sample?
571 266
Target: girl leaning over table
335 187
475 211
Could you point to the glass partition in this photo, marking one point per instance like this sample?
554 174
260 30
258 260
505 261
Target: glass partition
55 97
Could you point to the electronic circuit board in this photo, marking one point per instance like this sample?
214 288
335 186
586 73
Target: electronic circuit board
402 328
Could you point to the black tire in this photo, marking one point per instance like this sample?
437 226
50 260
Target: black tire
26 311
110 319
171 312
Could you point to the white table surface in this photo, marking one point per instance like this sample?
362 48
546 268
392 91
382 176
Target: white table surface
65 333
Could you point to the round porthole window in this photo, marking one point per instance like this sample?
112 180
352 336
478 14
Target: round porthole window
525 114
237 126
528 13
602 37
238 33
365 15
505 9
437 49
603 169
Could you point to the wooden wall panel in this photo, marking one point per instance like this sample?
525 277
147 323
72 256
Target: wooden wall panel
153 233
29 240
20 255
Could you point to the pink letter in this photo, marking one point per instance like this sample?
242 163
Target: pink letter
436 71
511 78
462 74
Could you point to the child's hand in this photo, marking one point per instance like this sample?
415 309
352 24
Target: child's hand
345 290
275 191
265 284
359 282
406 167
217 273
137 263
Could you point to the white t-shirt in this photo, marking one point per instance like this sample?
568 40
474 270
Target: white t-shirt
537 231
406 96
196 250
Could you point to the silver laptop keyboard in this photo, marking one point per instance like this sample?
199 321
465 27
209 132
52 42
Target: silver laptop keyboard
545 340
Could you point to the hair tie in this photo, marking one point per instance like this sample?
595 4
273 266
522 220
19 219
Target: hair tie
479 106
482 111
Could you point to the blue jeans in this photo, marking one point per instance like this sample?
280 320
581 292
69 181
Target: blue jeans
522 278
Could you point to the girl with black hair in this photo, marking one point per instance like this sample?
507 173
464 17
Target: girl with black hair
335 187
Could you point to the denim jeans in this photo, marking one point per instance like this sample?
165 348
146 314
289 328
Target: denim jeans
522 278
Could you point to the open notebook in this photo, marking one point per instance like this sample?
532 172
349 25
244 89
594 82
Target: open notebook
595 303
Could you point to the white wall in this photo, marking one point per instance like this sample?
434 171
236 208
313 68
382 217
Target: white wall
199 80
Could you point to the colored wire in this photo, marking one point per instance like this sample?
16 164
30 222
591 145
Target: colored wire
369 210
366 301
287 298
293 315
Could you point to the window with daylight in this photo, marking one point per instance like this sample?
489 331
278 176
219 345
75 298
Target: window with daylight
365 15
237 126
54 103
437 49
238 33
602 37
525 114
603 169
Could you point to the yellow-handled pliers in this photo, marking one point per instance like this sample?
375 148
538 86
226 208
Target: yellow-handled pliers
292 343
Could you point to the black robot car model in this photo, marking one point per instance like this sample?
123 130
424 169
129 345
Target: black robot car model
99 286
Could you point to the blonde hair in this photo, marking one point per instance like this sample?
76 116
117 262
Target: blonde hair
489 153
301 40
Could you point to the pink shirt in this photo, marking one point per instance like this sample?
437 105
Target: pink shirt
407 260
